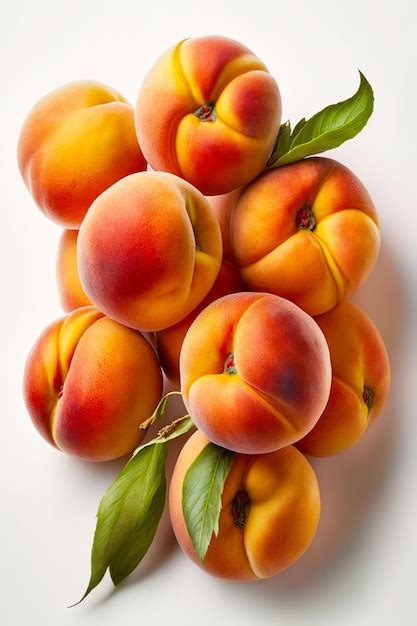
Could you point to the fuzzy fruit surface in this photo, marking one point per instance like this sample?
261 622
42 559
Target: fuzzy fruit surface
308 232
255 372
75 143
360 380
149 250
169 341
89 382
209 111
70 289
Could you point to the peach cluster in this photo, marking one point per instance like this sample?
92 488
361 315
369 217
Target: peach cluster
240 297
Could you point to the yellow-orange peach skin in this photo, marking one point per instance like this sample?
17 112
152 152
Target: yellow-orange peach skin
71 292
222 207
306 231
170 340
360 380
149 250
255 372
89 383
270 512
76 142
209 111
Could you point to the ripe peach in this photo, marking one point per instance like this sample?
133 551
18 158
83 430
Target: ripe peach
209 112
222 207
149 250
360 383
270 512
89 383
170 340
71 292
255 372
76 142
306 231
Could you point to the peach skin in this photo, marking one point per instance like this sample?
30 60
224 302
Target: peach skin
222 207
306 231
169 341
149 250
89 383
210 112
360 382
270 512
71 292
255 372
76 142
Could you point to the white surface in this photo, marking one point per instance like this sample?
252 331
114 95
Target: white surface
361 567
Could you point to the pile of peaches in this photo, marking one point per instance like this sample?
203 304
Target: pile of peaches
192 245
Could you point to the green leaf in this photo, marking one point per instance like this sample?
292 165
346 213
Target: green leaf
283 142
131 508
202 494
124 508
327 129
140 538
298 127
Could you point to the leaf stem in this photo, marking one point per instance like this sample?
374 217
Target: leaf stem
159 411
170 428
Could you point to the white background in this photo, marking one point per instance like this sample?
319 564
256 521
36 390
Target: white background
361 567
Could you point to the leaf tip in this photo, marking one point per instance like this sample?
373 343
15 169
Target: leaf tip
364 82
201 553
81 599
363 77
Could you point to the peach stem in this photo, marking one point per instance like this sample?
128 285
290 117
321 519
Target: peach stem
240 509
206 113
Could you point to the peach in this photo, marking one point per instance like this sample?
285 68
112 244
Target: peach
306 231
89 383
360 382
149 250
76 142
170 340
71 292
222 206
210 112
255 372
270 512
